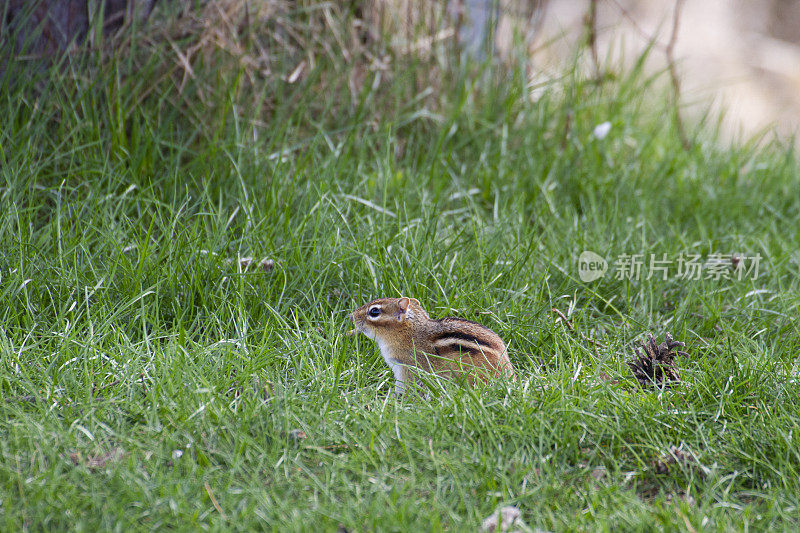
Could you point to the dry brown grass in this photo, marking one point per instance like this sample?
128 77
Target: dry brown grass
274 47
267 49
266 55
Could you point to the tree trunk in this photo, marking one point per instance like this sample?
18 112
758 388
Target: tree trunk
44 28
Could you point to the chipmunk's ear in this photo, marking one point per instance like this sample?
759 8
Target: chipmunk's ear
403 304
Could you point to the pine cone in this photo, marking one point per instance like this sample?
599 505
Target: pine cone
654 365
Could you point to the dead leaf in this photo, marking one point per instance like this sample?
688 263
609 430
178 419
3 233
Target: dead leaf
680 456
266 264
293 77
97 461
502 520
599 473
335 294
296 435
680 496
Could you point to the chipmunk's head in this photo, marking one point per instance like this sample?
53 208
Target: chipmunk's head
388 317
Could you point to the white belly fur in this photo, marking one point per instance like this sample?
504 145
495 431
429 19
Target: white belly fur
397 368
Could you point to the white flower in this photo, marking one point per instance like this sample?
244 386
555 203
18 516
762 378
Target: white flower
601 130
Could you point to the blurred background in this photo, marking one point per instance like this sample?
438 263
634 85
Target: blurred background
737 56
741 56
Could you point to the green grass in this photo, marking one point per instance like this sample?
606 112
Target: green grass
126 329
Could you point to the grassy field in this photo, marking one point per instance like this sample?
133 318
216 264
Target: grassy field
150 380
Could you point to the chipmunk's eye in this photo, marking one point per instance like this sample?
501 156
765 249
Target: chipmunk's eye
374 312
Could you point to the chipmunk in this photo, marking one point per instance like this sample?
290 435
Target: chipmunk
450 347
